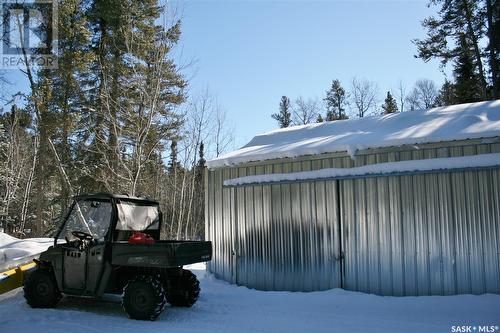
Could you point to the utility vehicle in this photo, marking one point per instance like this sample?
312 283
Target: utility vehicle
110 243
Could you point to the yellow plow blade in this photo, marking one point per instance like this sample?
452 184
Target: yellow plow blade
14 278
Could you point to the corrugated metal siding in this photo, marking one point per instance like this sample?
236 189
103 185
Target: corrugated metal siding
401 235
287 237
446 230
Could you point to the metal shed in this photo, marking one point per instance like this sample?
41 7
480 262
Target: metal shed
415 212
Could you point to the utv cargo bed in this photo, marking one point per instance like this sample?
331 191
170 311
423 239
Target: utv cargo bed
165 253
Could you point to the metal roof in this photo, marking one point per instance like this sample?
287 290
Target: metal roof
442 124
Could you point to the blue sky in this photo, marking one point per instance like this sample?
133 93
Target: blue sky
250 53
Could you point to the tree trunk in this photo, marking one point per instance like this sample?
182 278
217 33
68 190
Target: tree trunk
181 206
65 154
477 51
27 190
41 180
113 113
493 49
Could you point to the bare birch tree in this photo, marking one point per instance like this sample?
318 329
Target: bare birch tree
305 111
401 95
364 96
183 192
423 95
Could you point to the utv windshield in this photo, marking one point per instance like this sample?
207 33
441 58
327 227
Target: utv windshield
89 216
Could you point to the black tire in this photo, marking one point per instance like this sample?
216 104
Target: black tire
40 289
184 290
143 298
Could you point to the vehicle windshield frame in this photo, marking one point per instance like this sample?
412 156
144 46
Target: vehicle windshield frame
76 202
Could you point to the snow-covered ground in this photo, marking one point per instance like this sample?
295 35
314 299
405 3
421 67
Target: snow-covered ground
227 308
223 307
12 248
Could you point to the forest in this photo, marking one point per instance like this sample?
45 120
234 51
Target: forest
114 116
117 114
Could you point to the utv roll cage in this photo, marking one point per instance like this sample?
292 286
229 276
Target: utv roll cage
114 199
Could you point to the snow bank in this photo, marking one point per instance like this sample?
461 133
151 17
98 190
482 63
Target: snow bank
6 239
434 164
12 248
225 308
456 122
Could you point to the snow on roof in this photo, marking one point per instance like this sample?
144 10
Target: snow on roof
380 169
455 122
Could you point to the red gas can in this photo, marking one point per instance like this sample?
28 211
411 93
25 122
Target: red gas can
141 238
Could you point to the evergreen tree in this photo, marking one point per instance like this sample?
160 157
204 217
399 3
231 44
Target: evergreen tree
135 89
284 117
390 105
467 83
199 187
174 164
336 102
319 119
493 47
475 19
331 116
200 167
446 94
201 156
69 84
